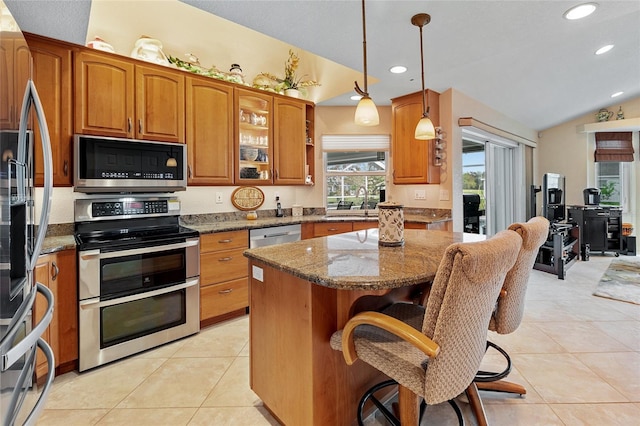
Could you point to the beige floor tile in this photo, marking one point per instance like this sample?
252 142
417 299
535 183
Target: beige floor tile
165 351
245 350
581 337
598 414
103 387
180 382
233 390
233 416
547 310
148 416
530 415
218 341
620 370
71 417
493 362
562 378
627 332
527 339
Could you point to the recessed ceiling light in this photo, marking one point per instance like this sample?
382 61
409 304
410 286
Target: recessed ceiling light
356 97
604 49
398 69
616 94
580 11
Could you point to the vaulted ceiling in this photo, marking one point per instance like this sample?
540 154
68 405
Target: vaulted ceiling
521 58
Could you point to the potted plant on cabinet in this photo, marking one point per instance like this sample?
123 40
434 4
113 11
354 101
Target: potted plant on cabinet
291 84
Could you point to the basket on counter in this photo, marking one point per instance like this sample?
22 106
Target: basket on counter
627 229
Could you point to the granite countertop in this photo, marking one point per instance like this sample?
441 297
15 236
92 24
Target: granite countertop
206 225
57 243
355 261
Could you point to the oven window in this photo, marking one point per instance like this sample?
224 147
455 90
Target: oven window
130 320
128 275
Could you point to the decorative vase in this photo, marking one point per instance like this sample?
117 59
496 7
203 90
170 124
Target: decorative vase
150 50
294 93
390 224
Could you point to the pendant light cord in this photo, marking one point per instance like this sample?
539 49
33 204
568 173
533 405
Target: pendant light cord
424 95
364 92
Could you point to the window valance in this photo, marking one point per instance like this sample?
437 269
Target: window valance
613 147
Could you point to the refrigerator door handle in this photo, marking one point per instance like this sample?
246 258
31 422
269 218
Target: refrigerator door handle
15 353
31 97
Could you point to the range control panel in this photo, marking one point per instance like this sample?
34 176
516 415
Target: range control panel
125 207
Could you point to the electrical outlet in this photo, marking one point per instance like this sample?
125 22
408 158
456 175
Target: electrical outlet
420 194
218 197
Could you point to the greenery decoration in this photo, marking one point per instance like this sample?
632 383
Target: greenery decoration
291 79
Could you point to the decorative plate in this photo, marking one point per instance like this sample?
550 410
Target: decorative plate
247 198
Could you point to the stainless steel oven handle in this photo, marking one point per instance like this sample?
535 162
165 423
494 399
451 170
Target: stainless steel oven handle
90 254
96 303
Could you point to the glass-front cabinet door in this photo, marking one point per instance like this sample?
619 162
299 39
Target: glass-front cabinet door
254 137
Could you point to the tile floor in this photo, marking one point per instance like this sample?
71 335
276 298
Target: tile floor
578 356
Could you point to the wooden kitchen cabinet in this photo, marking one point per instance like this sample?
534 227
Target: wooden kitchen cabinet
323 229
57 271
290 135
224 285
115 96
253 137
52 75
209 131
14 61
412 158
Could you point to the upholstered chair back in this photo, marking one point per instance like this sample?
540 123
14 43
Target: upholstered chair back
462 299
510 307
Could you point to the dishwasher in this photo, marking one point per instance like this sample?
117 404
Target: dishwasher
263 237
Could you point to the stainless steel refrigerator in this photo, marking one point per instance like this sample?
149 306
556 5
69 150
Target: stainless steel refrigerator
21 231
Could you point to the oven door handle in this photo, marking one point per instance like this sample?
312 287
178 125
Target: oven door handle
96 303
91 254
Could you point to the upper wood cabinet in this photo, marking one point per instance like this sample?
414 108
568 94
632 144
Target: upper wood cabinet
209 115
14 73
52 75
412 158
254 137
289 135
115 97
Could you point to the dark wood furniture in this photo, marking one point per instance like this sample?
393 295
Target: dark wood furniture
600 229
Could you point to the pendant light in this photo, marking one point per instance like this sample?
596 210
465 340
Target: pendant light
424 129
366 112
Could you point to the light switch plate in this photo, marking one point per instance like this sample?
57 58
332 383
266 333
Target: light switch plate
444 195
218 197
256 272
420 194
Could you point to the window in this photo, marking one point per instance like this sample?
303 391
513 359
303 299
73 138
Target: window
355 170
613 178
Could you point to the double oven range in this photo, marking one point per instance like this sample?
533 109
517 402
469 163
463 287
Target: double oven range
138 268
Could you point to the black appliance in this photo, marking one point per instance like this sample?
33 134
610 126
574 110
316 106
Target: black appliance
22 233
138 279
553 206
117 165
591 196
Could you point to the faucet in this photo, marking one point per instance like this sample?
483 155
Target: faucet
366 199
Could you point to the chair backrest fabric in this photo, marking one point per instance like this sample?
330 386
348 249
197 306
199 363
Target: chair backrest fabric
462 299
509 310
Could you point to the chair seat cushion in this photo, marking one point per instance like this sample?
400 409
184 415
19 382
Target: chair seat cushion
391 355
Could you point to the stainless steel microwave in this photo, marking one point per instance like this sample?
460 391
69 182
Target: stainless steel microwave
116 165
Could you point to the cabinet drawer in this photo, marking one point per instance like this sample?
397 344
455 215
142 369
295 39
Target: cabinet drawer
224 241
369 224
222 298
331 228
224 265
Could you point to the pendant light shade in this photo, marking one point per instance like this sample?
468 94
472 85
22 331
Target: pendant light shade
424 129
366 112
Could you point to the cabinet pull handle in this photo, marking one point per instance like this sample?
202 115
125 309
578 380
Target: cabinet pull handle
225 259
65 167
189 171
139 125
228 240
128 124
227 291
333 229
54 271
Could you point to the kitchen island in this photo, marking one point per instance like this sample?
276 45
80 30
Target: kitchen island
302 292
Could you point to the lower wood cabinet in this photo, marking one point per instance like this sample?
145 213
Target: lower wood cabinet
57 271
224 290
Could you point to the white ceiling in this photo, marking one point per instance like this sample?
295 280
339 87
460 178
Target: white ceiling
521 58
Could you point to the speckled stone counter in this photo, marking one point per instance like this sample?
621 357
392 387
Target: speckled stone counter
54 244
355 261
